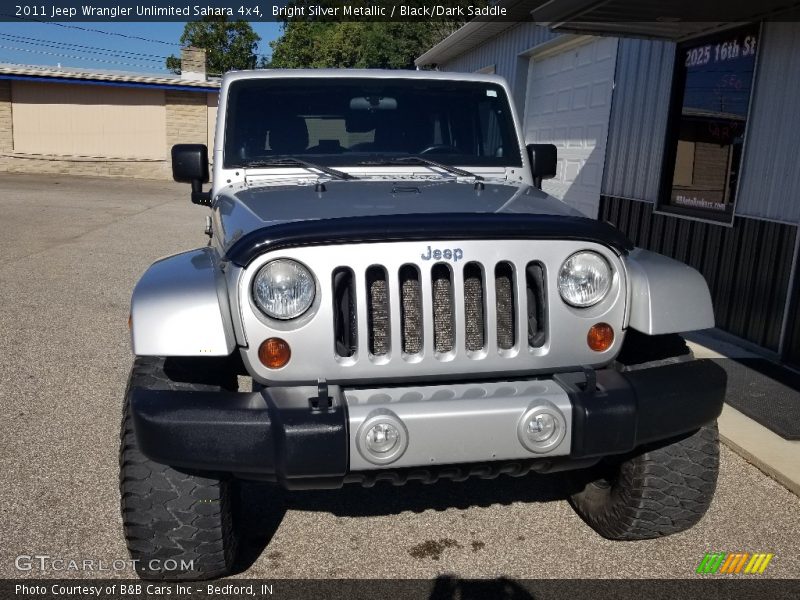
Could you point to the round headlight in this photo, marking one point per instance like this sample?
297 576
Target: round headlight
584 279
283 289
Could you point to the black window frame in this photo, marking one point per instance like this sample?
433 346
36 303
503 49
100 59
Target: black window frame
670 148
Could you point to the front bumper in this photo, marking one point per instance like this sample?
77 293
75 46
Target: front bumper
301 436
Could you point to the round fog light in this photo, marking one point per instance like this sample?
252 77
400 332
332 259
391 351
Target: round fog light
542 427
382 438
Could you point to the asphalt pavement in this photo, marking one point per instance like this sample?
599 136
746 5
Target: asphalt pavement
71 250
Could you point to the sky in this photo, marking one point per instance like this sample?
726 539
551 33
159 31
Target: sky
118 49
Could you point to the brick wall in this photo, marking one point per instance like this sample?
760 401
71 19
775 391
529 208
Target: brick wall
186 122
6 131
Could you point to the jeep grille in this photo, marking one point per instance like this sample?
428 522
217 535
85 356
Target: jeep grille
516 300
394 312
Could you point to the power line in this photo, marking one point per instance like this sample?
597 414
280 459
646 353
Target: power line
130 37
89 29
42 42
114 62
81 48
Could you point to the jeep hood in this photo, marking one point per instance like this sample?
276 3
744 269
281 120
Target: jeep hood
244 209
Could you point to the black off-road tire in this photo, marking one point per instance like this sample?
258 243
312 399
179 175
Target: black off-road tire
658 491
169 514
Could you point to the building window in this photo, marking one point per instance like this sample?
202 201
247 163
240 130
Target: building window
713 81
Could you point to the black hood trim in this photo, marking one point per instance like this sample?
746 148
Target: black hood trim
422 227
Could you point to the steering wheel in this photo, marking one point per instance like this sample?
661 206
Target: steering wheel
439 149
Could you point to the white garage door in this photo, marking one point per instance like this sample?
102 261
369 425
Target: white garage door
568 103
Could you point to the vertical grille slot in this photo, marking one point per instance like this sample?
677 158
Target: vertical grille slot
443 300
411 309
378 311
535 292
345 330
473 307
504 305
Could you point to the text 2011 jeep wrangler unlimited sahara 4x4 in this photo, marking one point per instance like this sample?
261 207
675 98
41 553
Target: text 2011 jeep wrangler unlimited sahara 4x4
409 305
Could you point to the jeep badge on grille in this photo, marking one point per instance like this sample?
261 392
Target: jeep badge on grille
456 254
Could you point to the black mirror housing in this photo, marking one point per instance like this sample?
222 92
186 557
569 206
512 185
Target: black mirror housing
190 165
544 161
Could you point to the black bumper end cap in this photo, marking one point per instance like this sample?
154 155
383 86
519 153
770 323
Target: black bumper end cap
241 433
632 408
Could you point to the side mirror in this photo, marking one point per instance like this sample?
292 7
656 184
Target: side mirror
544 160
190 165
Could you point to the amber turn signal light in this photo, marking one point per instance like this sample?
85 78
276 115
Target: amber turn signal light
600 337
274 353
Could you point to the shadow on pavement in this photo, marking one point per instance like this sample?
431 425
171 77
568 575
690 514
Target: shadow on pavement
766 392
262 506
772 370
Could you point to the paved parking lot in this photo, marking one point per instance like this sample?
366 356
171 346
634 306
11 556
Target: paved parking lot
72 250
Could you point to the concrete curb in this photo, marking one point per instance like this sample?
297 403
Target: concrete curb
775 456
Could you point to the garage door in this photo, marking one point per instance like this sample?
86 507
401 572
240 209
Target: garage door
568 103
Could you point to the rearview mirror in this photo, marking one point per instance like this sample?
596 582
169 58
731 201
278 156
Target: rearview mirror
190 165
373 103
543 159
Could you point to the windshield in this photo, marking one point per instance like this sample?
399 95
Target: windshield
347 121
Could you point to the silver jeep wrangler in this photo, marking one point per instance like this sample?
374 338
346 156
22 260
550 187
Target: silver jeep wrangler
409 305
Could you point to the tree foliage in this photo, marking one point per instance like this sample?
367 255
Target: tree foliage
228 44
386 45
354 44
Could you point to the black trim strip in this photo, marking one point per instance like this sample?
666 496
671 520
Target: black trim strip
423 227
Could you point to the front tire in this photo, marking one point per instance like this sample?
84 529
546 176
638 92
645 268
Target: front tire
658 491
178 524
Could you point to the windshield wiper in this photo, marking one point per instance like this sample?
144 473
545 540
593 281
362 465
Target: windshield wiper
290 161
418 160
